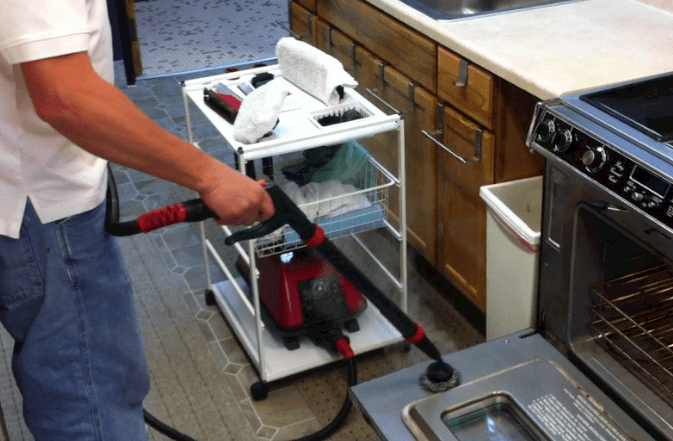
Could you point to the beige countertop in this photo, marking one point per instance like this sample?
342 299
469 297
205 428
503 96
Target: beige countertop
552 50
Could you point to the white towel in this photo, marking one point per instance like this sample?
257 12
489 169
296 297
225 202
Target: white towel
313 196
312 70
309 198
259 111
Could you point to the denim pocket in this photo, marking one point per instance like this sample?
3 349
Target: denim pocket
20 276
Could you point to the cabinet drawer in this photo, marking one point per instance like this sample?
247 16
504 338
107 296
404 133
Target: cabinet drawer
337 44
464 138
411 53
303 23
308 4
471 94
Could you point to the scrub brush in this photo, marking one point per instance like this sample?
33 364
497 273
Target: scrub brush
439 376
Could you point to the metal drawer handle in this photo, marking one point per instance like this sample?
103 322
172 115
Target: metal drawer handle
461 81
462 160
375 94
287 27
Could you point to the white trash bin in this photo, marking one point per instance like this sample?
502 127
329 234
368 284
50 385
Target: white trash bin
512 244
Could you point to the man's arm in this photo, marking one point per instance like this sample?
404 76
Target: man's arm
70 96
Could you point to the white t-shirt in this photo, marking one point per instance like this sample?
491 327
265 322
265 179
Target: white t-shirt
36 162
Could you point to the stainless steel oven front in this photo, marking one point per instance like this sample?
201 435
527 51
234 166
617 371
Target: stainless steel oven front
599 365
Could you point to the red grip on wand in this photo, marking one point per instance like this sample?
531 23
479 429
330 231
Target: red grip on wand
162 217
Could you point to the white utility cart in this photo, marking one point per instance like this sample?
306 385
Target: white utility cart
299 129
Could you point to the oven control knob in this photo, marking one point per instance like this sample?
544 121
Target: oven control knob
594 158
637 196
563 140
546 130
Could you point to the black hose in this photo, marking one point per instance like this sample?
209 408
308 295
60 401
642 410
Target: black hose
323 433
165 428
113 226
339 419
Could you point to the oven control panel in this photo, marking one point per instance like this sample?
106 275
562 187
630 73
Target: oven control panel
604 164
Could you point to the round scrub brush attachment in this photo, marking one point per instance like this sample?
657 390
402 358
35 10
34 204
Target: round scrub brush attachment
439 376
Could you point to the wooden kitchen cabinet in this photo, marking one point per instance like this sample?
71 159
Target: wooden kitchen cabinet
465 86
462 212
412 54
337 44
303 23
455 102
419 110
308 4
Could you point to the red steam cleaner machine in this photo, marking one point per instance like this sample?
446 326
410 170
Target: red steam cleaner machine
303 294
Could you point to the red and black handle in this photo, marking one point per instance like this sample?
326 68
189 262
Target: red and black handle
193 210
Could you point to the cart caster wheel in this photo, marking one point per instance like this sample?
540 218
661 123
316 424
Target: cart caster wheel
291 343
351 326
210 298
259 390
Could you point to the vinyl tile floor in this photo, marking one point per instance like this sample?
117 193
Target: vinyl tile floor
219 389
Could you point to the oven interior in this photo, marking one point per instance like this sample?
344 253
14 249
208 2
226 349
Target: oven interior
621 309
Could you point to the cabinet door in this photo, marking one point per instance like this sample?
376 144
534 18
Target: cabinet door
419 109
462 212
303 23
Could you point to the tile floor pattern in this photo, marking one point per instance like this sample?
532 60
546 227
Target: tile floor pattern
296 406
184 35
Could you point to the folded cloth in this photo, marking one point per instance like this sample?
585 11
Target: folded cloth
312 70
312 198
259 111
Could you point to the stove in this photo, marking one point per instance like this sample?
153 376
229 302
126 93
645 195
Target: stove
598 363
646 106
620 137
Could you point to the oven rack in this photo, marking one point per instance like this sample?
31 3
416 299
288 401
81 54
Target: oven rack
633 316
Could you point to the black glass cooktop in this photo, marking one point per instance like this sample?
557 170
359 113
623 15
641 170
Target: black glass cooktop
646 105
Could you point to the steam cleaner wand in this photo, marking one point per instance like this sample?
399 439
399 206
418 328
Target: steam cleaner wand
439 375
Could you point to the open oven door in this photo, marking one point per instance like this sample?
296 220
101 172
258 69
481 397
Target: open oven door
518 387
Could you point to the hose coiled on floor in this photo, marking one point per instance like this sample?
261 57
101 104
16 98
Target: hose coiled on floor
323 433
164 428
339 419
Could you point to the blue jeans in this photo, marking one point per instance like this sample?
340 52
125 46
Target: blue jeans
79 360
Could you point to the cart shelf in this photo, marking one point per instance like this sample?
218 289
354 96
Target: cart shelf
375 332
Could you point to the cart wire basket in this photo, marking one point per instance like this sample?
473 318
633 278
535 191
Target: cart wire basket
359 204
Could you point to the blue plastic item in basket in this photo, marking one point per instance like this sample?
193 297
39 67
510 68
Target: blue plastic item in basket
352 222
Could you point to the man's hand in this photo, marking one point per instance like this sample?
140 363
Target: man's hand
237 199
